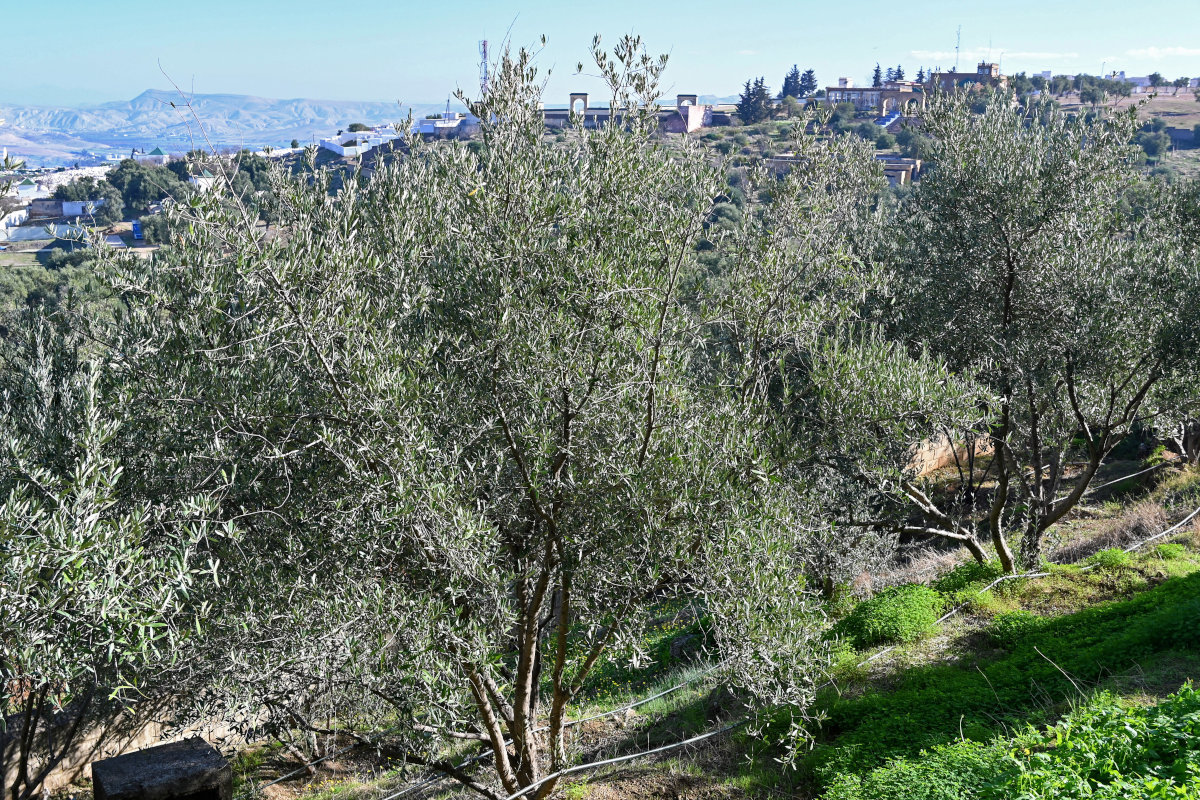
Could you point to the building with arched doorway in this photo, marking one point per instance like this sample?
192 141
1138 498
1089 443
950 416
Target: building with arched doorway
901 97
687 115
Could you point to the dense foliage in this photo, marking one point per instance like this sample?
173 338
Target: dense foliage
452 436
1018 260
1103 749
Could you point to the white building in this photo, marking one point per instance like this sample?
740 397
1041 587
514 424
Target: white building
155 156
204 181
29 189
358 142
79 208
451 123
1139 83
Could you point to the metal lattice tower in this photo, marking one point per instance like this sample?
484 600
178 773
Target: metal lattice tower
483 66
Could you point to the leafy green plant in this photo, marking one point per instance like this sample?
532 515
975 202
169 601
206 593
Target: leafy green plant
1170 550
1102 749
577 790
945 772
1111 558
900 614
1106 750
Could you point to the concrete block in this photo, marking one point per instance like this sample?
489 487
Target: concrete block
188 770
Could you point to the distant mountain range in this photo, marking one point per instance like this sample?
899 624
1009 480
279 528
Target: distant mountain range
61 135
175 121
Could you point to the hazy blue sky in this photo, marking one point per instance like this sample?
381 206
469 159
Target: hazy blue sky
379 50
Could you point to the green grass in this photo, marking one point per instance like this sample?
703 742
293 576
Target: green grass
1104 748
933 705
27 258
1179 490
249 761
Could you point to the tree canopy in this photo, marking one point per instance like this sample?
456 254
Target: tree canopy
1074 304
754 104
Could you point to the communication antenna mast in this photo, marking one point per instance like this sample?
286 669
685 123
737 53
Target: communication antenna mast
483 66
957 44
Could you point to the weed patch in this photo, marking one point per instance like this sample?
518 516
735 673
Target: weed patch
1111 558
1105 749
933 705
900 614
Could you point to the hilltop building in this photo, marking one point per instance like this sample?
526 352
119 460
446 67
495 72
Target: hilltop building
986 74
156 156
1140 83
357 143
449 125
687 115
905 98
30 189
902 97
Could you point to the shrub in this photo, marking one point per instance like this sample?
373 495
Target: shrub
1010 628
900 614
60 258
1170 550
1110 559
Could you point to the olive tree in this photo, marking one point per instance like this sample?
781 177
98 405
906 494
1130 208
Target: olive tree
98 593
838 409
1018 260
462 413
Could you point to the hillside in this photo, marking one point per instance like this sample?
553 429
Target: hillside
968 706
1179 111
